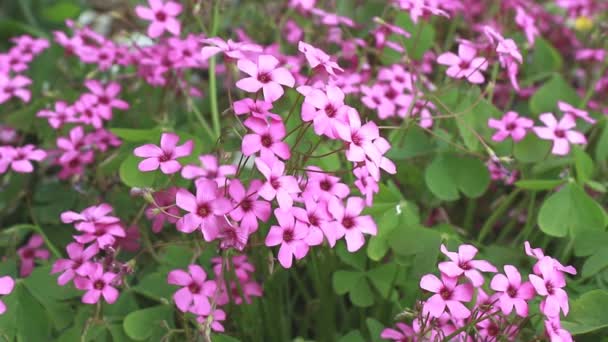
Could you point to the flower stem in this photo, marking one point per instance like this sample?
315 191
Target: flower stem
215 115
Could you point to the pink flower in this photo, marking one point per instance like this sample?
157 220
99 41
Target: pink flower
247 208
164 156
195 292
511 291
209 169
556 333
447 293
30 252
10 87
268 140
7 284
349 223
318 59
105 235
78 264
162 15
462 263
326 109
550 286
231 49
166 200
511 124
526 22
291 234
292 32
61 115
403 333
359 138
19 158
89 217
265 75
205 210
323 186
561 132
213 318
28 45
570 110
538 254
383 98
277 184
97 284
366 184
104 98
464 65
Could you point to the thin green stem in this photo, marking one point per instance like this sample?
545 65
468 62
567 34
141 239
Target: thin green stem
498 212
215 113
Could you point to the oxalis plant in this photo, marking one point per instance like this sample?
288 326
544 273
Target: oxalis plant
303 170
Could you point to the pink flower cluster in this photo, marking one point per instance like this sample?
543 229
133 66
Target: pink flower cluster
16 61
92 264
497 312
203 297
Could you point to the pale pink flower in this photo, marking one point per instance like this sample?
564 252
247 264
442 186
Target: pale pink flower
7 284
318 59
164 156
20 158
30 252
210 169
278 185
268 140
447 293
462 263
213 318
464 65
403 333
561 132
550 286
58 117
323 186
248 209
512 292
325 109
556 333
359 138
104 98
98 284
195 292
350 223
14 87
162 16
78 264
230 49
526 22
205 210
265 75
510 125
291 234
568 109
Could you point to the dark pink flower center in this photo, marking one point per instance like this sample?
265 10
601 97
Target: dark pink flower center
550 288
104 100
445 293
194 288
165 157
103 56
464 265
275 182
246 205
559 133
28 253
264 77
9 89
287 235
99 284
330 110
203 210
512 291
313 220
160 16
356 139
464 64
511 126
325 185
376 100
348 222
399 79
266 141
493 330
390 94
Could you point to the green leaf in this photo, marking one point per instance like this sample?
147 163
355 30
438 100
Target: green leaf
587 313
423 35
375 329
532 149
438 178
60 11
154 285
142 324
572 211
361 294
595 263
448 174
343 281
601 149
383 278
138 135
409 143
424 248
224 338
30 310
545 59
588 243
358 259
539 184
546 97
352 336
132 177
583 165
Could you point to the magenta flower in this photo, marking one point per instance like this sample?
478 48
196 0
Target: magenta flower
327 109
78 264
316 218
104 235
213 319
98 284
383 98
323 186
403 333
556 333
15 61
366 184
58 117
164 199
164 156
268 140
359 138
568 109
19 158
561 132
105 98
247 208
277 184
464 65
511 291
205 210
318 59
16 86
291 234
7 284
511 124
209 169
447 293
349 223
195 292
232 50
550 286
462 263
265 75
30 252
29 45
526 22
90 217
538 254
162 16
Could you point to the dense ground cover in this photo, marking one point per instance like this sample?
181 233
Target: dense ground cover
357 170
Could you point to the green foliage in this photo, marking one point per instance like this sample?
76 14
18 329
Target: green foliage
449 175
